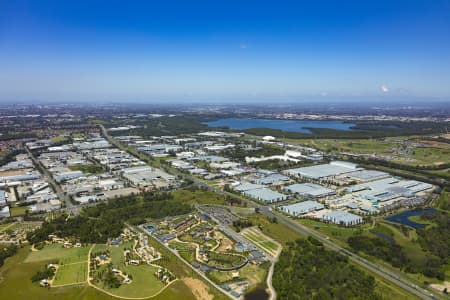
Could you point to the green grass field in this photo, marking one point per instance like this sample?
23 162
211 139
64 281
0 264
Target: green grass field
199 197
436 153
87 168
144 284
276 231
57 252
15 284
71 274
18 211
337 233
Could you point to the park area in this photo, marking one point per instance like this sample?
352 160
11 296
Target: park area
72 262
144 283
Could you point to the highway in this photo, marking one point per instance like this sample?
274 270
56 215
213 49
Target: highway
381 271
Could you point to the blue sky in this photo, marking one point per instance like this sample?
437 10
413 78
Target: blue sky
224 51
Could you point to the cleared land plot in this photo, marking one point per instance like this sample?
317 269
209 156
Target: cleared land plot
18 211
261 240
59 253
71 274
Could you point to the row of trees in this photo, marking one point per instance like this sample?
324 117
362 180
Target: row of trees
98 223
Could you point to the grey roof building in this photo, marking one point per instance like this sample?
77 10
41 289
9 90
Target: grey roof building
2 198
266 195
272 179
325 170
301 208
310 190
246 186
342 218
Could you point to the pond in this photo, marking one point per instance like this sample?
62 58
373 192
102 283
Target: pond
403 218
301 126
257 294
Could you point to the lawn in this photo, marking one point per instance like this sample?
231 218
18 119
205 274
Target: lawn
59 139
337 233
71 274
419 155
144 284
279 232
15 284
58 252
88 168
18 211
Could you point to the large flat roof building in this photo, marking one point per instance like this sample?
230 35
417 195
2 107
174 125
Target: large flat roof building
301 208
367 175
334 168
265 195
342 218
310 190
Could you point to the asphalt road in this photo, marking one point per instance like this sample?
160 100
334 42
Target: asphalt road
52 182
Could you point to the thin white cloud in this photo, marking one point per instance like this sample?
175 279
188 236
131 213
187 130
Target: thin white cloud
243 46
384 88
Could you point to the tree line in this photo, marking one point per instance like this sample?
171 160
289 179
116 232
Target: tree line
98 223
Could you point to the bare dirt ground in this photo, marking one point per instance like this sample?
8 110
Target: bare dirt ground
441 287
198 288
12 173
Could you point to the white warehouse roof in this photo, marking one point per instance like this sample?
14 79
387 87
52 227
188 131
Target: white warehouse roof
310 190
320 171
301 207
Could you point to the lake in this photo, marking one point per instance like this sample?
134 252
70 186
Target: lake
403 218
285 125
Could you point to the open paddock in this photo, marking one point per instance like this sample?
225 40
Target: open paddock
73 273
58 253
